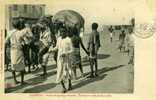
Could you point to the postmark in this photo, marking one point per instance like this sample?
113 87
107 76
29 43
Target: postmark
145 30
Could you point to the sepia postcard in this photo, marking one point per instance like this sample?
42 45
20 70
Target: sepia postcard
76 49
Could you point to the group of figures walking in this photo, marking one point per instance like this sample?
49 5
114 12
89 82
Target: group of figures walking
126 40
30 45
42 40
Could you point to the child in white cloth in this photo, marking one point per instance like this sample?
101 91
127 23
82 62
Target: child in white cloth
64 68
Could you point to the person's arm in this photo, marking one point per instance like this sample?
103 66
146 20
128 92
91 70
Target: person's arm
81 43
54 41
99 40
27 36
52 49
88 42
7 42
49 39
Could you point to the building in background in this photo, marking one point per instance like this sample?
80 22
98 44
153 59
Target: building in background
30 13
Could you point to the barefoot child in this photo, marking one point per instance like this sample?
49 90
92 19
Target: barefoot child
93 47
64 69
75 56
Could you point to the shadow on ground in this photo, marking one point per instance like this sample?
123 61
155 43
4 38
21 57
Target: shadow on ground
88 81
33 81
49 67
40 88
103 56
85 60
101 76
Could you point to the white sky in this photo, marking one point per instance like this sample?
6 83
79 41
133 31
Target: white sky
105 12
101 11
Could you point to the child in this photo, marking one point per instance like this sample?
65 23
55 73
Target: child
26 47
93 47
76 57
64 69
34 46
45 43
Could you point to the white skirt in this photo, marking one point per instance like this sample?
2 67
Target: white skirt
17 59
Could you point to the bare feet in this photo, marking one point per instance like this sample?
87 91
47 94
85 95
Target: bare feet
44 74
16 82
96 74
24 83
64 90
70 88
91 76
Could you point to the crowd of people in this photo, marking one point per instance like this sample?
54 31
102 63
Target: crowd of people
31 45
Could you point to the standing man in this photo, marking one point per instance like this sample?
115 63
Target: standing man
93 47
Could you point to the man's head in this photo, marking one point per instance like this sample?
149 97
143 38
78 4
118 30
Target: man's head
18 24
63 32
75 31
94 26
123 32
130 30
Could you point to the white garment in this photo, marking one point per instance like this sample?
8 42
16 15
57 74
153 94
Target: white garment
131 40
111 34
45 37
64 68
28 35
17 56
81 34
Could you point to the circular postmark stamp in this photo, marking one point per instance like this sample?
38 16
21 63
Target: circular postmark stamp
145 30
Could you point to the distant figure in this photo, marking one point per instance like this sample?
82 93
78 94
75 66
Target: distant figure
64 68
131 47
111 35
93 47
122 41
